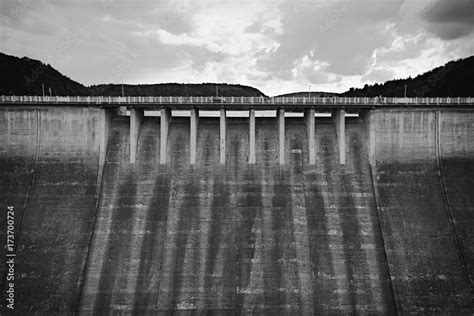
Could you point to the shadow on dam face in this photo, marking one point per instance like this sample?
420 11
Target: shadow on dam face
103 236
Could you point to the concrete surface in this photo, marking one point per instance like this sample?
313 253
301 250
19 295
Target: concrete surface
297 238
424 254
49 164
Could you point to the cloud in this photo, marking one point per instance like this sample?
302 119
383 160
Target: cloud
275 45
449 20
450 11
379 75
342 34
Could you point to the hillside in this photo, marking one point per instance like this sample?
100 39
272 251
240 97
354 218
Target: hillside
176 89
307 93
25 76
455 79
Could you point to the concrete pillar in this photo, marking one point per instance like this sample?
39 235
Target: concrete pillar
340 122
136 117
222 136
104 128
310 130
252 159
369 121
193 135
281 135
164 127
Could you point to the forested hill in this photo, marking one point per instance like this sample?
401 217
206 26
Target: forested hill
25 76
317 94
455 79
177 89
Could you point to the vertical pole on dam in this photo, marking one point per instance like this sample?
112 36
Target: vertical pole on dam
164 127
339 117
193 135
310 130
252 136
281 135
136 116
222 136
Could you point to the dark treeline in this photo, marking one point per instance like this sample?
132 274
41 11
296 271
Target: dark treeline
312 94
25 76
176 89
455 79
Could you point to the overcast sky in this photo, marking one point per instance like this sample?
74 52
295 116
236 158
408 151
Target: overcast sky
277 46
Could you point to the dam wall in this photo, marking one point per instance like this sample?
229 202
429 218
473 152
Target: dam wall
423 179
49 166
390 231
235 237
457 168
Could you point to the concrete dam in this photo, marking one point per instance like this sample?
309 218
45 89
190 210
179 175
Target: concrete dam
120 212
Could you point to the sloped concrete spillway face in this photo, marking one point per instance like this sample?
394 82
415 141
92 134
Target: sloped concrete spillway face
100 235
349 270
49 163
457 166
421 156
237 237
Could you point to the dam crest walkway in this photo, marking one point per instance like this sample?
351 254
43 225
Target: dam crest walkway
239 103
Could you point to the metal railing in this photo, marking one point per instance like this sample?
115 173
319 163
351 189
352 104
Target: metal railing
149 100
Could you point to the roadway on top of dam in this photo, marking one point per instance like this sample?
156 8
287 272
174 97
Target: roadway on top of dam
295 104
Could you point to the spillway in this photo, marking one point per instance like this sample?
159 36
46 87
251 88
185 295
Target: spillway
388 232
